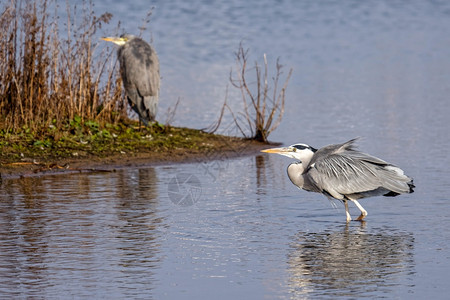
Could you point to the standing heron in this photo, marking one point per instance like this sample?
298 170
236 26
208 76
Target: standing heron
341 172
139 67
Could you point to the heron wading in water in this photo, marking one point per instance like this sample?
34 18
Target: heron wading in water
341 172
139 68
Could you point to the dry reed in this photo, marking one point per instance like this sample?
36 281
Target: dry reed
48 80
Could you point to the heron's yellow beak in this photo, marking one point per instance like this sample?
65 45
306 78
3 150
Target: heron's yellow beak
116 40
277 150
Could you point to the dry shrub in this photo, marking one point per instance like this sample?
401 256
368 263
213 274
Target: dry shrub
263 106
262 102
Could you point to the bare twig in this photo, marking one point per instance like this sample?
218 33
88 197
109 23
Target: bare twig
213 127
171 111
262 113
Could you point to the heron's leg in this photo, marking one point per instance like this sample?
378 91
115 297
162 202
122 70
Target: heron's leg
349 218
363 211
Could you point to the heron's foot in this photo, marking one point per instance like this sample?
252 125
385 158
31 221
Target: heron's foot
361 217
363 211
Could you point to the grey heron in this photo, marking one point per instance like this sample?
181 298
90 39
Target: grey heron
139 68
341 172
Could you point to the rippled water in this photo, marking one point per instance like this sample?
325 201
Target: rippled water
237 228
122 234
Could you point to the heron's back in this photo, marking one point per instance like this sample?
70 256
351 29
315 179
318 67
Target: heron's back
139 66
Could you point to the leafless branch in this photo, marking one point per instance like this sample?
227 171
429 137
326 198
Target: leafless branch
170 114
262 110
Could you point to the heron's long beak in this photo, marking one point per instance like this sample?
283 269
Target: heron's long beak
277 150
115 40
109 39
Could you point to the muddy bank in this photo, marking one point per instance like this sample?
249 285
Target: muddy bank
212 148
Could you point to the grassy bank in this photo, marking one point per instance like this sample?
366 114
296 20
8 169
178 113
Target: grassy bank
87 146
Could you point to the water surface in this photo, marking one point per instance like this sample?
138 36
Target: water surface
237 228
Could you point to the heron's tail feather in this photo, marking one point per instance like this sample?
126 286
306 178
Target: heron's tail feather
411 186
396 181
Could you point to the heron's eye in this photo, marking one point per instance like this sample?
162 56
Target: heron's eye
300 147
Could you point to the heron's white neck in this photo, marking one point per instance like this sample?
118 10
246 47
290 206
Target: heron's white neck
295 173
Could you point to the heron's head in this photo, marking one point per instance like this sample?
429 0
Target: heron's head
121 40
301 152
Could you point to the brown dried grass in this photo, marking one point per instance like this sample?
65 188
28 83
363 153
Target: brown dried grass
47 79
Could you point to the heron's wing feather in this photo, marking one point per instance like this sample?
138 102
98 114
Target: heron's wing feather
335 149
140 68
354 172
390 177
341 175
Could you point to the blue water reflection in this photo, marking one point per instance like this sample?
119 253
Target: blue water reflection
350 262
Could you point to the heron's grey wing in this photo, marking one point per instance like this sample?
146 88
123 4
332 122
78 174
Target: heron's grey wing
140 66
392 178
341 174
357 174
140 76
332 149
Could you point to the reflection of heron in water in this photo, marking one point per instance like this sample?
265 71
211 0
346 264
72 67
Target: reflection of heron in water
349 262
139 227
340 171
139 67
